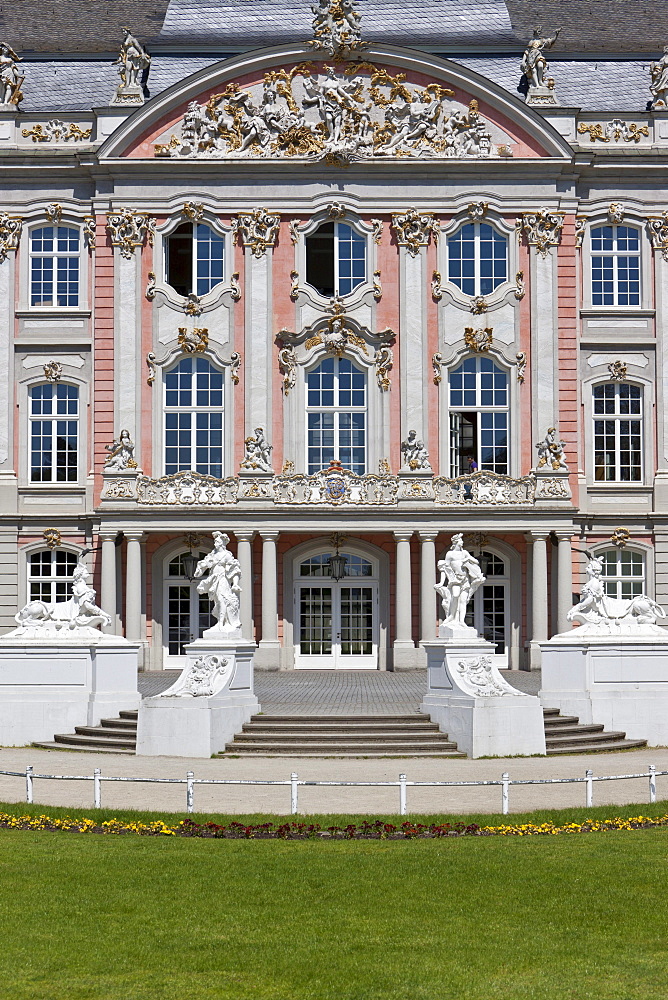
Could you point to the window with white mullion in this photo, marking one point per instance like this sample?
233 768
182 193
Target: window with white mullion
615 266
479 417
335 259
54 266
54 433
618 445
477 258
194 258
336 416
194 418
50 575
623 573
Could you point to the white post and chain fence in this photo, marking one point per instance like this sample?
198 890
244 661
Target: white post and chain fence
294 783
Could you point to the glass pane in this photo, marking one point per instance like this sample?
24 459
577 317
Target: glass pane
315 621
356 621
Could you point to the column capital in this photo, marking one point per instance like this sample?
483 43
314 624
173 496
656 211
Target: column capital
403 536
134 535
244 536
269 536
537 536
107 536
427 536
564 534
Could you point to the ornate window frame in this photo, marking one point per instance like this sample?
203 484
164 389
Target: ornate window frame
160 366
162 289
29 549
600 217
648 458
308 351
642 548
335 212
39 218
84 462
506 290
514 423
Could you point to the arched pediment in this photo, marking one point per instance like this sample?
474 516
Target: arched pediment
283 105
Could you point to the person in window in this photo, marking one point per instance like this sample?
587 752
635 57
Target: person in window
473 465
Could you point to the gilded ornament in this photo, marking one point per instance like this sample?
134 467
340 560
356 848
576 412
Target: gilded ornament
478 340
54 213
150 288
56 131
377 226
129 230
657 229
287 364
616 211
580 229
437 364
193 341
617 371
288 468
520 289
10 234
235 365
193 210
436 287
192 305
477 210
336 27
336 210
543 229
257 230
235 287
52 537
521 359
377 286
620 537
413 230
479 305
151 362
89 231
551 451
614 130
294 226
384 467
383 362
294 285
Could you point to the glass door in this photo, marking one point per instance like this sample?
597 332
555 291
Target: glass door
488 611
187 613
336 622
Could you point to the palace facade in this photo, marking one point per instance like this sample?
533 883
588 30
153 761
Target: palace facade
335 294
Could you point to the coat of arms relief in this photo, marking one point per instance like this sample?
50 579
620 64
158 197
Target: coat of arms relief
336 113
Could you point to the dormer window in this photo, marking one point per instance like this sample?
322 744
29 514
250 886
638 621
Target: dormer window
335 259
194 259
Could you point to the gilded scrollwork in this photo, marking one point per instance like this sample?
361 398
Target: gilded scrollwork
377 286
657 229
618 371
437 364
57 131
479 305
151 364
54 213
52 537
436 286
478 340
257 230
383 362
129 230
150 287
377 230
520 289
235 287
337 28
193 341
613 131
477 210
10 234
413 230
294 285
193 210
543 229
521 359
89 231
53 371
580 230
235 366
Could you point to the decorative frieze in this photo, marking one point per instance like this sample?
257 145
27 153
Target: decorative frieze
542 229
613 131
257 230
333 114
57 131
413 230
129 230
10 234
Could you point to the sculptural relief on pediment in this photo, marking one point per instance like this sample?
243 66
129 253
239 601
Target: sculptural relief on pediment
336 113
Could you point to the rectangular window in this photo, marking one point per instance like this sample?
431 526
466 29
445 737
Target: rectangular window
477 259
54 433
194 418
615 266
54 266
336 416
617 433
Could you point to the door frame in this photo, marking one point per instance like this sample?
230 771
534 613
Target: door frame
291 559
330 662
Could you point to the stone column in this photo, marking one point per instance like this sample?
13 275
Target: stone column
108 581
245 557
268 654
427 581
538 594
564 581
404 649
133 586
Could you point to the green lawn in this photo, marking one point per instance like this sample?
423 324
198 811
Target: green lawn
94 918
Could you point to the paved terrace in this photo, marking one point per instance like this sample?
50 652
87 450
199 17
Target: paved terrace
335 693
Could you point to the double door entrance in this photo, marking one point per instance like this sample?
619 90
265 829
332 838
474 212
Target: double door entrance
336 621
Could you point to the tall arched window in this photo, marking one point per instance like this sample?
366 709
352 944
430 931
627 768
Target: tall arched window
336 415
50 575
478 408
54 266
623 573
194 418
335 259
477 258
615 266
194 258
618 432
54 433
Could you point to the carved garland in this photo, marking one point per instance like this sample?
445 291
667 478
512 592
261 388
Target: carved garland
614 130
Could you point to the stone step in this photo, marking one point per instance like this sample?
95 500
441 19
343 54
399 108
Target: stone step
91 749
123 724
353 719
102 731
334 726
92 741
561 720
597 747
358 736
367 749
556 732
129 714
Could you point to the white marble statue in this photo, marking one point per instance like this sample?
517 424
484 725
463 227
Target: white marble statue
336 26
74 618
222 584
10 79
600 614
659 80
121 453
257 457
132 60
460 578
551 451
534 64
414 452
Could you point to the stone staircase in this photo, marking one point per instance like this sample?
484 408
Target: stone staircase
345 736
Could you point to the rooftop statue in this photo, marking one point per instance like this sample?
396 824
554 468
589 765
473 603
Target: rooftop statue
659 80
10 79
534 66
336 27
74 618
222 584
603 615
132 60
460 578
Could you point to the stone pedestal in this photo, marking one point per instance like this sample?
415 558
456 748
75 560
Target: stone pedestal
542 97
617 680
50 685
473 704
207 705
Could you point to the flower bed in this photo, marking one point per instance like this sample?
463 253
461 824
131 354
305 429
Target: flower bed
365 830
